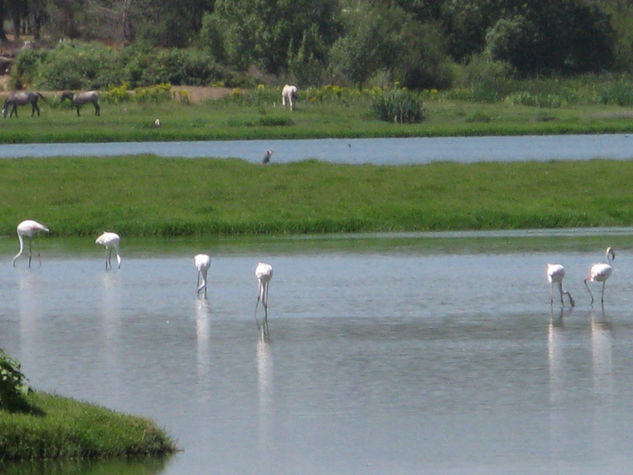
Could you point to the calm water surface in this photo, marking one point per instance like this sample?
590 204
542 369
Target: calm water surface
398 357
394 151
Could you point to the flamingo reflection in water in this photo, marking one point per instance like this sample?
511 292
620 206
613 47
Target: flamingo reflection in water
264 274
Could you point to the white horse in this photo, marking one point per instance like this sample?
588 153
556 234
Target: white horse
288 93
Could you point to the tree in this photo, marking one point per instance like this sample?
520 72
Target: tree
567 36
262 32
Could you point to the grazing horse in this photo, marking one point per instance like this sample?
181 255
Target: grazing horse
21 98
80 98
288 93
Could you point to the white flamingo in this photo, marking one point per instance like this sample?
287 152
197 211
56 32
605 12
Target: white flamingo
601 272
555 274
28 229
202 263
111 242
264 273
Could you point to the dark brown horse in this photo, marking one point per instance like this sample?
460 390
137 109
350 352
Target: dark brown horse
22 98
80 98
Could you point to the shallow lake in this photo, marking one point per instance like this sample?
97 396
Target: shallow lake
393 151
386 354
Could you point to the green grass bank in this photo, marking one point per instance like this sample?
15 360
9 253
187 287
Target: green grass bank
62 428
152 196
249 116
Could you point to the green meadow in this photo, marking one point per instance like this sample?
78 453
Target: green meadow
152 196
251 116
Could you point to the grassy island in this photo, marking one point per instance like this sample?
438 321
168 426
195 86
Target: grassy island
146 195
54 427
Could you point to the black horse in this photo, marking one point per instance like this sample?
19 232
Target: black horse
21 98
80 98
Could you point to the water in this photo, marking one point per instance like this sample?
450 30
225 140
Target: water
407 354
394 151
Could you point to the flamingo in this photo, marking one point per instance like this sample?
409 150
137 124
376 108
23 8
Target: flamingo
111 242
601 272
555 274
266 159
28 229
264 273
202 263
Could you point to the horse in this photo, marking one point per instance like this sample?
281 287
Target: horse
80 98
288 93
21 98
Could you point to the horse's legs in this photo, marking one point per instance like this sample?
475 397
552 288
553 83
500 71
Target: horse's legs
77 110
35 109
14 110
97 108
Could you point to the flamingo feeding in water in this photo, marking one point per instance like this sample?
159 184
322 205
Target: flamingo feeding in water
111 242
601 272
202 263
555 274
28 229
264 273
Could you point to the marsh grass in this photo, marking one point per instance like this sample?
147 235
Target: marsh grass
65 428
151 196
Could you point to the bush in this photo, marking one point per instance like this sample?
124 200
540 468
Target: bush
398 105
13 386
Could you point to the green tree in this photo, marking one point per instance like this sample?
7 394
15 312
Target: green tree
262 32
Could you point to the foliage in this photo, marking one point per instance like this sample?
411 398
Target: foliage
77 66
13 385
398 105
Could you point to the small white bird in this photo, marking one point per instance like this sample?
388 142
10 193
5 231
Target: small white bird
264 273
202 263
555 274
28 229
266 159
601 272
111 242
157 123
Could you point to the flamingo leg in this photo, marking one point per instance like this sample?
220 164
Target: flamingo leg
560 291
589 290
604 283
30 251
571 299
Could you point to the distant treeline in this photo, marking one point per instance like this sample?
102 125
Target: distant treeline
414 43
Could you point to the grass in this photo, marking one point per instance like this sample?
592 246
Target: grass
151 196
59 427
231 119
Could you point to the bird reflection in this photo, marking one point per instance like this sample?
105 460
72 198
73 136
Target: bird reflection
602 365
601 353
265 392
202 336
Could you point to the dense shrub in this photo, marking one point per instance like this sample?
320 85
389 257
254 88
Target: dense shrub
398 105
13 386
